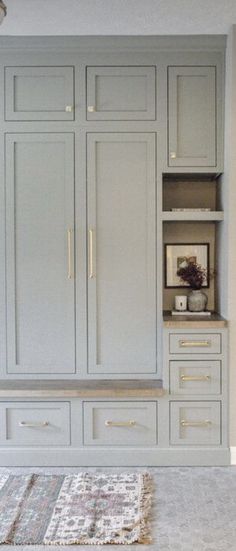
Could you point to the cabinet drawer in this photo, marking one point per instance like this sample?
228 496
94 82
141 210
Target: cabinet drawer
120 423
195 423
35 423
197 343
39 93
195 377
121 93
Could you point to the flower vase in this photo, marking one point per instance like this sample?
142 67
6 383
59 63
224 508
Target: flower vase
197 300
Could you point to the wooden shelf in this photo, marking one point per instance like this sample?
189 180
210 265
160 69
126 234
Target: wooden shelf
193 322
81 389
209 216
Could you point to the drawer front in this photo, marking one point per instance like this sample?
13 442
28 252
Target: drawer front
195 423
195 343
121 93
39 93
35 424
120 423
195 377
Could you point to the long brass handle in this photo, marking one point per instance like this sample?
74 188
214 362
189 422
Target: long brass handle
205 423
120 423
36 425
91 267
69 234
195 377
193 344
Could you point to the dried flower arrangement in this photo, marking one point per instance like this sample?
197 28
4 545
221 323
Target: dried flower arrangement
193 274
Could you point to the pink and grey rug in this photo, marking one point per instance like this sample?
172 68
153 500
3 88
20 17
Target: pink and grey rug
85 508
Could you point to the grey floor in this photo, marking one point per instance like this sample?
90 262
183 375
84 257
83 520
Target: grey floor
194 509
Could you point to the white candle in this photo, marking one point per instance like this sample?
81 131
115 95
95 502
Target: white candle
180 302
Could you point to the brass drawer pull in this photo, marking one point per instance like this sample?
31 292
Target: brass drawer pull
120 423
35 425
69 235
195 377
91 268
206 423
193 344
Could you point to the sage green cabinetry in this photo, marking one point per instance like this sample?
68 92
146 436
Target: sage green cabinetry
85 126
121 93
192 125
122 253
35 423
39 93
40 289
195 374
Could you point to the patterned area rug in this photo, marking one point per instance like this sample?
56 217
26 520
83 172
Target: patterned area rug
86 508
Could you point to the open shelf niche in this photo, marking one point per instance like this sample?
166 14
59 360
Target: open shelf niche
192 191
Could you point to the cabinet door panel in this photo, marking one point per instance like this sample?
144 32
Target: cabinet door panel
39 93
192 116
39 213
122 250
121 93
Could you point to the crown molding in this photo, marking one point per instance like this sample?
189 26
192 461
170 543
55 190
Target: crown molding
114 43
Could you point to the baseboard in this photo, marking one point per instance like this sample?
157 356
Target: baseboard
233 455
82 457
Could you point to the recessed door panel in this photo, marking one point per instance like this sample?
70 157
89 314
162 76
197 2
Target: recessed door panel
121 93
121 253
40 253
39 93
192 116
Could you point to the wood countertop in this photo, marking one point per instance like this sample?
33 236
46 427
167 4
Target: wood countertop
81 389
193 322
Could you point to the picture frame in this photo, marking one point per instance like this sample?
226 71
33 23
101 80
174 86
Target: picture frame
176 253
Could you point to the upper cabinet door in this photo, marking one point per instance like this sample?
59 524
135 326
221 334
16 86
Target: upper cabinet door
122 253
192 116
40 253
121 93
39 93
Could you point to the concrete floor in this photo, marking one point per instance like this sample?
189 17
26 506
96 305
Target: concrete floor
194 509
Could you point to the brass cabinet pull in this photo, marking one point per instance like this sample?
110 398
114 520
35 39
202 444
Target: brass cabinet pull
91 268
195 377
36 425
91 108
193 344
206 423
68 108
120 423
69 234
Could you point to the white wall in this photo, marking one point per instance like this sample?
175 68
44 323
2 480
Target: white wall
230 196
94 17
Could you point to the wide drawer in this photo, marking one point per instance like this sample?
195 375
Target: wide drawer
120 423
195 343
195 377
195 423
35 423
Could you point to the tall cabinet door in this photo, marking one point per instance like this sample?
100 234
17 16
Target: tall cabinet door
121 253
40 253
192 116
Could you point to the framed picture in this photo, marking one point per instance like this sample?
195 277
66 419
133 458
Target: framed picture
178 253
